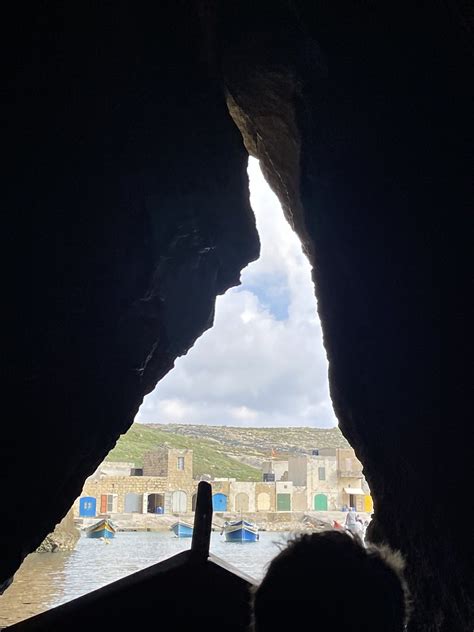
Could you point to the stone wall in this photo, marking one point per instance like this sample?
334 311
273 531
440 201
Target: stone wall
299 500
247 491
114 468
255 497
122 485
298 469
304 471
348 463
279 468
156 463
330 485
221 487
180 478
266 492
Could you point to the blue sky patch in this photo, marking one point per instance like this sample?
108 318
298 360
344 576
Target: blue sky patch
272 294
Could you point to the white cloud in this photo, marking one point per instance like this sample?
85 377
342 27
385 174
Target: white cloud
244 413
263 362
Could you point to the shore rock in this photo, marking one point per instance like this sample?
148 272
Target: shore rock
63 538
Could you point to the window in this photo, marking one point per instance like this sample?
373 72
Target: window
108 503
180 462
322 473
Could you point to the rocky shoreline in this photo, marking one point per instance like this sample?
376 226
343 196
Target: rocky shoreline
63 538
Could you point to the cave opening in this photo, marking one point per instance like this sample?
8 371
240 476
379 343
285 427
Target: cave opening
261 370
132 178
262 362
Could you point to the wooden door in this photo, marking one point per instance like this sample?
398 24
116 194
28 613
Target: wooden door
283 502
321 502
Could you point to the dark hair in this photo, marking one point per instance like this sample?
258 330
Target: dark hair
329 581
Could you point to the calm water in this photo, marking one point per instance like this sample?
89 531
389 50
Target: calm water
49 579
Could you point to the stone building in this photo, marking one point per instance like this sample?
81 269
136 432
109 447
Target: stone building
166 486
351 480
327 479
275 470
114 468
318 476
332 479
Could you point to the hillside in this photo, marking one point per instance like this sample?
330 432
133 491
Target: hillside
259 442
207 458
225 451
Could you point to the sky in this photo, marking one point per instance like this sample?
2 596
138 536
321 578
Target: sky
263 361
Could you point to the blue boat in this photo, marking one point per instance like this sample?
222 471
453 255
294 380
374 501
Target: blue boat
102 529
182 529
240 531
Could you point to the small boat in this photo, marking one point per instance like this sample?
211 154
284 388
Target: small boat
102 529
182 529
240 531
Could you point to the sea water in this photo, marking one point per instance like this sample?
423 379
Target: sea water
46 580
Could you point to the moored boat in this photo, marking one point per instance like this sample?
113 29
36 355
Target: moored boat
102 529
240 531
182 529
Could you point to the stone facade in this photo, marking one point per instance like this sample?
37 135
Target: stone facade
167 485
323 479
265 495
119 487
299 499
242 497
351 476
173 464
114 468
222 486
316 482
278 468
329 477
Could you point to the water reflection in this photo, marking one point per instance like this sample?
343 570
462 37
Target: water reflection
37 586
46 580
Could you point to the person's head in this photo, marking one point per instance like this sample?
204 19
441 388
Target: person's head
330 581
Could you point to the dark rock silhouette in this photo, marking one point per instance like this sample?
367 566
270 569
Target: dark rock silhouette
133 174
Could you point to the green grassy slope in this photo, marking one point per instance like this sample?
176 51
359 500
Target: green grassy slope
259 442
207 457
225 451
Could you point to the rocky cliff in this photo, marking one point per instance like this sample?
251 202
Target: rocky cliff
131 171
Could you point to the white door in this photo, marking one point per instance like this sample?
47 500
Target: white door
179 502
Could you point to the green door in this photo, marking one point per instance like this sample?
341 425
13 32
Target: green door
321 502
283 502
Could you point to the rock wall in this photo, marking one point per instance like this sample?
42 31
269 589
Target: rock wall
134 178
352 115
63 538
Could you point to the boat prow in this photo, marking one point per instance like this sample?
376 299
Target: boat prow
182 529
102 529
241 531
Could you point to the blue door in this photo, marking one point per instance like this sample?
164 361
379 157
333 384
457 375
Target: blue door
87 506
219 502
